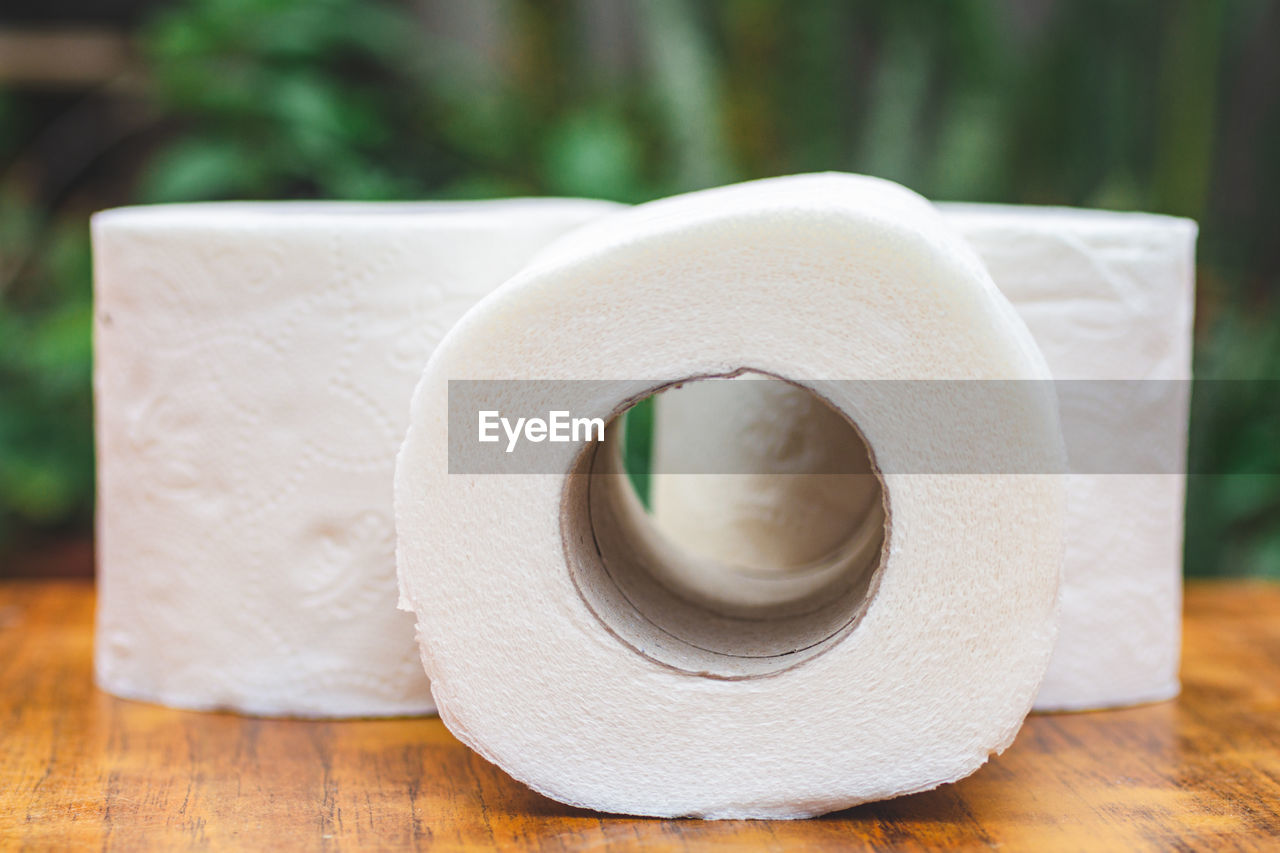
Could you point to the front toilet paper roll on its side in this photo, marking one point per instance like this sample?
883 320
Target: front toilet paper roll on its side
1107 296
555 643
253 368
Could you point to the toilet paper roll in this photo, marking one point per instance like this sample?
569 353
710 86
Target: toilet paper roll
253 367
1107 296
555 643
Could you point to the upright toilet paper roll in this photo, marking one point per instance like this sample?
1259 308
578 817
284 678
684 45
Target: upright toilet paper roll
253 367
554 640
1107 296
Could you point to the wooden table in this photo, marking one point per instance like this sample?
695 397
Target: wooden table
79 768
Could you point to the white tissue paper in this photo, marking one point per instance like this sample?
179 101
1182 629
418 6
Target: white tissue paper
253 368
545 608
1107 296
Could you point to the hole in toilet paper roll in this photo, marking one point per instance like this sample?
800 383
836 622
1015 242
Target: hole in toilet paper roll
702 611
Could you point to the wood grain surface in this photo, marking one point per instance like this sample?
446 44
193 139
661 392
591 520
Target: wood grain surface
82 769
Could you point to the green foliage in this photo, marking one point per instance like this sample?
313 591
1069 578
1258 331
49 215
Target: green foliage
637 447
352 99
1166 105
1233 499
46 443
283 97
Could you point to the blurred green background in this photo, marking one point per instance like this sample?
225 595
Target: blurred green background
1170 106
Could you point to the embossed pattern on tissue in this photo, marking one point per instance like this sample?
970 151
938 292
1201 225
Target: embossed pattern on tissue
252 378
251 418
